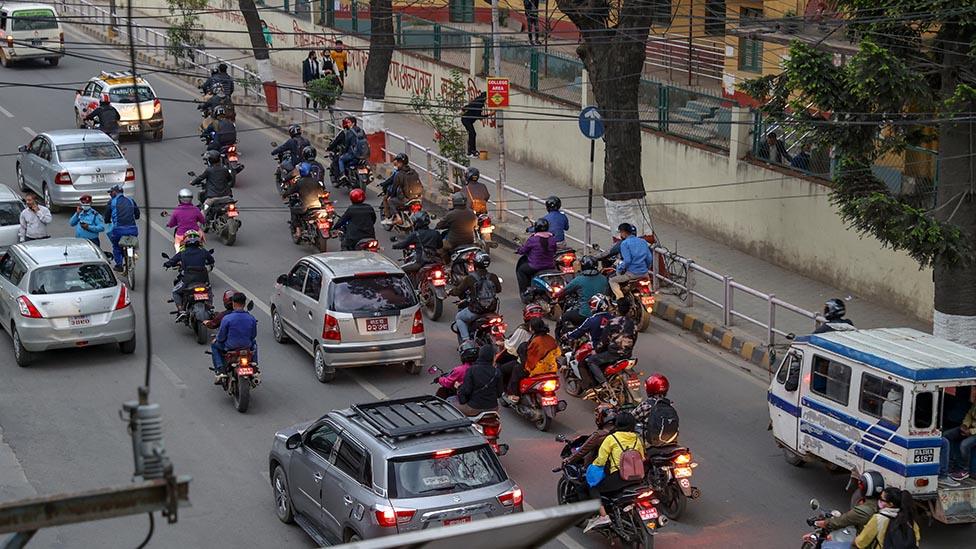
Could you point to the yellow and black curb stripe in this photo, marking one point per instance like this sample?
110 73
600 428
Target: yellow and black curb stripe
747 349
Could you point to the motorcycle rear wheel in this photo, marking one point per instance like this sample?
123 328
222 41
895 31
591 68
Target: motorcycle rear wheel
200 331
543 423
674 502
321 243
242 395
572 385
230 232
433 306
642 318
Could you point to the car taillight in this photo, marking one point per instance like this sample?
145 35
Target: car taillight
63 178
549 386
511 498
27 308
440 454
130 175
330 329
418 323
388 517
157 106
61 38
123 300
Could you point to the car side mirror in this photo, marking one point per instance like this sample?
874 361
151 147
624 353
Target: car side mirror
165 255
814 504
282 279
22 148
293 441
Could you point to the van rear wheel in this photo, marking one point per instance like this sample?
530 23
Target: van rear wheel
793 458
54 61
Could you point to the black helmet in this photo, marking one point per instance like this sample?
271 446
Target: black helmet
481 259
219 111
871 484
104 100
402 157
553 203
420 220
294 130
458 200
211 156
222 67
834 309
541 225
627 227
589 265
309 153
468 351
472 174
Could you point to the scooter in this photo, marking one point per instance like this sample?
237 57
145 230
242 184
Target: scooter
538 401
641 293
822 538
488 423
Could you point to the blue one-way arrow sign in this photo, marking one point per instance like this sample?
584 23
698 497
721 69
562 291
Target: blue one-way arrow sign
591 123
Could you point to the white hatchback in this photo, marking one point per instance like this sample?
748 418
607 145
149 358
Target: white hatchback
30 31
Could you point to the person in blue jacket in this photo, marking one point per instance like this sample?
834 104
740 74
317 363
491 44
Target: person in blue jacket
87 221
238 330
635 259
122 212
558 222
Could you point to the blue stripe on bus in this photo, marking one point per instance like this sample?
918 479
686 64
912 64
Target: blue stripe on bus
874 429
920 470
782 404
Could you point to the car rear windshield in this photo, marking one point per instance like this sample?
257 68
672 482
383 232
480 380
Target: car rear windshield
434 474
64 279
125 94
29 20
84 152
10 213
369 294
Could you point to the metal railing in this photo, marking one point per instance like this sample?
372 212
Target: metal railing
723 295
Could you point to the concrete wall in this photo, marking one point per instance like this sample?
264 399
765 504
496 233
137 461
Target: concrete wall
773 215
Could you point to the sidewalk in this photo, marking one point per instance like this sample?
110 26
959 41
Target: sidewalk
750 271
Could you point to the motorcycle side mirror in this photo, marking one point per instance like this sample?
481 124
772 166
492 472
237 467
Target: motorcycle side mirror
191 173
595 246
433 370
393 239
560 438
163 213
294 441
814 504
274 143
250 306
210 250
527 219
164 255
791 336
282 279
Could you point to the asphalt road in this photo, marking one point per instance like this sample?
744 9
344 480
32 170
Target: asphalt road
60 416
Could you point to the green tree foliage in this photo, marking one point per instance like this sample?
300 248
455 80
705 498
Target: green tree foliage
914 69
326 91
442 112
184 31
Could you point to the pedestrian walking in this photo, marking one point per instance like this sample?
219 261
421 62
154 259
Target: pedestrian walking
267 34
473 112
310 73
34 220
88 223
339 60
532 20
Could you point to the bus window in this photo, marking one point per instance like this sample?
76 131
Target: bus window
923 416
881 398
831 379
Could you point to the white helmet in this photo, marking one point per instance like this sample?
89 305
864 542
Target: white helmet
185 196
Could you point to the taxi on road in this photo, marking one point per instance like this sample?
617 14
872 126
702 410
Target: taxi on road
133 96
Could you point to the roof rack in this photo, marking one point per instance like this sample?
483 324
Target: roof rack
405 417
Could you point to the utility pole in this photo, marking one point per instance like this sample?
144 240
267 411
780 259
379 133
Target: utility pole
497 68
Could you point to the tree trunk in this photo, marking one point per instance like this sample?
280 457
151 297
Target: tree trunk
262 58
381 44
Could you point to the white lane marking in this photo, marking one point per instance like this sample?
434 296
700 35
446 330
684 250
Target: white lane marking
562 538
31 132
161 365
6 112
370 388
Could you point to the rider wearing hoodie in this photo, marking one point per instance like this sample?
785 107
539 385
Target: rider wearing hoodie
538 254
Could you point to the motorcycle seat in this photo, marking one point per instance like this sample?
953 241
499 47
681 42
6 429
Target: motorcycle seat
220 201
527 382
129 241
463 250
625 495
664 453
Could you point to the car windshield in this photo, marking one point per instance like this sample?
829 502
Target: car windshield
30 20
84 152
128 94
431 474
370 294
10 213
77 277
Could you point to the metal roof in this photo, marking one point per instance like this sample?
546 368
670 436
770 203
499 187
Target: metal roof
902 352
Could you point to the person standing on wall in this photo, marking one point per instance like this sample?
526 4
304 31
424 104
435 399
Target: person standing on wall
267 34
471 113
310 73
532 21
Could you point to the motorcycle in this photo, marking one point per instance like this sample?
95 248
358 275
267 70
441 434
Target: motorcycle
641 293
546 287
431 282
634 518
243 375
222 216
822 538
198 306
571 361
462 263
488 423
358 173
401 221
230 159
538 401
486 328
623 380
316 224
669 471
285 172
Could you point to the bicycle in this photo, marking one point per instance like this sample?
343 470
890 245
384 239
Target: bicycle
675 282
130 253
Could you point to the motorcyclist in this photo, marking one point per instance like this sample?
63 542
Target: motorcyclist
833 311
449 382
870 485
193 262
604 416
304 196
482 385
635 256
558 222
426 243
238 330
593 326
460 223
349 142
623 438
656 387
344 141
214 322
184 217
294 144
122 212
215 181
357 221
507 358
403 185
537 357
219 77
538 254
476 191
316 168
221 132
589 282
220 98
616 343
479 289
107 118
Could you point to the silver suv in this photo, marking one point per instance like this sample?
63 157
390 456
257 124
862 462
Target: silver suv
385 468
349 309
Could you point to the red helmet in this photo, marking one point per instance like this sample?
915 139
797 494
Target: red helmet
532 310
357 196
227 297
656 385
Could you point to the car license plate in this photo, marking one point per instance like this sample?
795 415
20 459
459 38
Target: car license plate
567 269
245 371
461 520
647 513
98 178
35 42
377 324
83 320
470 267
201 297
363 170
647 300
232 213
550 401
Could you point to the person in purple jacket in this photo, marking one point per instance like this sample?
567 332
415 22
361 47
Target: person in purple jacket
184 218
538 254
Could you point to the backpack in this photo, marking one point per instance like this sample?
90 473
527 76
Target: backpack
483 298
361 148
631 463
661 425
899 539
618 338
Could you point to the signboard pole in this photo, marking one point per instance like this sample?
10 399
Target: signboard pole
589 199
592 128
499 114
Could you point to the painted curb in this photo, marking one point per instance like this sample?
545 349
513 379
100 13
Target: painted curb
748 349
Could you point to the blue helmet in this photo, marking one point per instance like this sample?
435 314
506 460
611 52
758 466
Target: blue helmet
305 169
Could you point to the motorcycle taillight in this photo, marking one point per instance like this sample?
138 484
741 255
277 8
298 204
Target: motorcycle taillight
415 207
